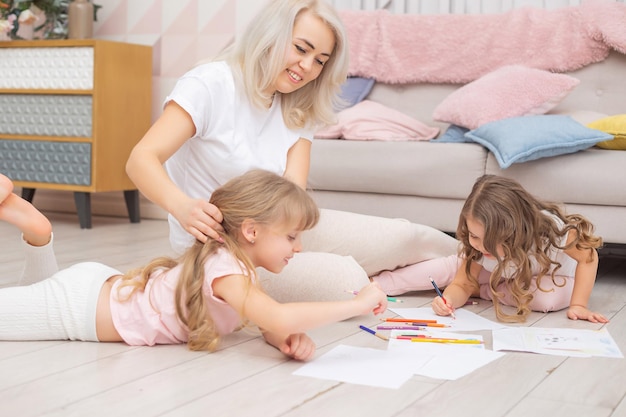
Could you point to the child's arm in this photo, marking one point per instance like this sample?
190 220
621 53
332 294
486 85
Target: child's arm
282 324
584 279
459 290
298 346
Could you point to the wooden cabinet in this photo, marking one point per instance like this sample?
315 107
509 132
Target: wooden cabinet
70 113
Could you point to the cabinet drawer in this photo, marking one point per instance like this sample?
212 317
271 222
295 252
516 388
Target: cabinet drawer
47 68
45 115
46 162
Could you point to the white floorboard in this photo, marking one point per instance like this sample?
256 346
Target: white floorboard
247 377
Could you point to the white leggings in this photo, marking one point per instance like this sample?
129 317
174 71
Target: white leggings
60 307
442 270
345 249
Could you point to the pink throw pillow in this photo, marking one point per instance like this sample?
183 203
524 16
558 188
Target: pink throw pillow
509 91
369 120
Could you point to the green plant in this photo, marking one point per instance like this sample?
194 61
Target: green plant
55 12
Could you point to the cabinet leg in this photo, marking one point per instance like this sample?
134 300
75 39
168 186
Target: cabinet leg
28 194
132 204
83 206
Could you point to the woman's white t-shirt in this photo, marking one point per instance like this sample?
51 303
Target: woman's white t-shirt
232 137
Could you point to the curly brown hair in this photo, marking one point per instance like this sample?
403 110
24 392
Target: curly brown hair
524 228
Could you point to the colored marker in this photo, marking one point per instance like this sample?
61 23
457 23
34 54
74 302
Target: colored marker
438 340
471 303
367 329
403 320
440 295
421 336
390 299
400 327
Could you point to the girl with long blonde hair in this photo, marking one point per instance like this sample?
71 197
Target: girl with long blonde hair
210 291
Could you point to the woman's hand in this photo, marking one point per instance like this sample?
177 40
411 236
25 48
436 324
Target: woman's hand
298 346
200 218
372 298
576 312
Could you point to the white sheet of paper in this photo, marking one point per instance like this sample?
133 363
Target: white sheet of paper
555 341
465 319
447 361
364 366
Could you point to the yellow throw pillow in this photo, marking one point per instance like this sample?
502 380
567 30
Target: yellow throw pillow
613 125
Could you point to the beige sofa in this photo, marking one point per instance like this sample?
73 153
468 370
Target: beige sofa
427 182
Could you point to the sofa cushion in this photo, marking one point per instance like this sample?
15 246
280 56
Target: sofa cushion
453 134
369 120
593 177
446 170
354 90
510 91
613 125
521 139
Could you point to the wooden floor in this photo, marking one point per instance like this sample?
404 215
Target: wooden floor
247 377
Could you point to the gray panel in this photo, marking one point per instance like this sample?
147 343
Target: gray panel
45 115
48 162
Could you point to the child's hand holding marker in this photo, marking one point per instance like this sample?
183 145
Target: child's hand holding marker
445 308
372 295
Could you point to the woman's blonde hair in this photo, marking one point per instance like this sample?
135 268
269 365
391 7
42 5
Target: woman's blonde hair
262 196
259 55
518 222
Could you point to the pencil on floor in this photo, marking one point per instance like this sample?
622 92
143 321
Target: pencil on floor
403 320
367 329
442 340
390 299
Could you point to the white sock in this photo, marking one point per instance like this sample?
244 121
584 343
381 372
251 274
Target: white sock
40 262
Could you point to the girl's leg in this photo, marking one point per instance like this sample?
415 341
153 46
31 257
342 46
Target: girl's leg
62 307
377 243
35 227
416 277
39 263
36 231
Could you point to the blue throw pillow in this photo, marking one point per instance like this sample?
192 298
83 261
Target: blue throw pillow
454 134
354 90
521 139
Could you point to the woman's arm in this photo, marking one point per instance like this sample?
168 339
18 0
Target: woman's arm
584 279
298 162
459 290
145 168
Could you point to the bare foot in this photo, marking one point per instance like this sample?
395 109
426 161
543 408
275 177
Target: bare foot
35 227
6 187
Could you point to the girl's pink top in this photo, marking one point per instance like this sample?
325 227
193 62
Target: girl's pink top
149 316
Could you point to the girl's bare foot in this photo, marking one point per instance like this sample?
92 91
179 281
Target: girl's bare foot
6 187
35 227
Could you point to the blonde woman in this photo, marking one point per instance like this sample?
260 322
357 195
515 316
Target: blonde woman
211 291
257 106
